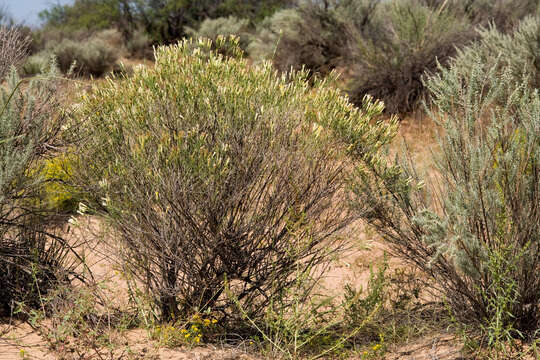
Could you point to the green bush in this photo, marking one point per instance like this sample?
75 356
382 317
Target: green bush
213 171
412 39
474 229
92 57
58 196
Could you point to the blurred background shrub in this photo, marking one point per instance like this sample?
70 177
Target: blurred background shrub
412 40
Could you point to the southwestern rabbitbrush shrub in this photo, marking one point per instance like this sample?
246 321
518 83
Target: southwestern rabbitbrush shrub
214 172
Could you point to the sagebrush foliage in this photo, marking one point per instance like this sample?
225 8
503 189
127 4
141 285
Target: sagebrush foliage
475 229
411 40
91 57
309 37
516 53
32 256
211 170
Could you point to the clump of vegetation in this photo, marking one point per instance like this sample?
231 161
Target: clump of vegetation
479 244
58 195
212 172
517 53
412 40
32 256
139 45
92 57
13 49
309 37
223 26
504 14
37 64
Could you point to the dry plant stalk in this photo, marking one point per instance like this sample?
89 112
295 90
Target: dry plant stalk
13 48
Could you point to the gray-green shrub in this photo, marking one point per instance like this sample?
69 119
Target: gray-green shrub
92 57
474 229
517 53
37 63
309 37
214 171
33 258
412 39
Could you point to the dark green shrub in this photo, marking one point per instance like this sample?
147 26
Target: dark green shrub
33 258
212 172
474 229
412 40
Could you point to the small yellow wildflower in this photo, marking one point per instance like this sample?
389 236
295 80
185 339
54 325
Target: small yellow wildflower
194 328
214 321
377 347
187 335
196 316
197 339
183 331
206 322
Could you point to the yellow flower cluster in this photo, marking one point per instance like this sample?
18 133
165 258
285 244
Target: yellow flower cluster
188 334
376 350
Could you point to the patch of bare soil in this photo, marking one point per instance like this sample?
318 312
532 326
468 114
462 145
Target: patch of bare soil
436 347
19 341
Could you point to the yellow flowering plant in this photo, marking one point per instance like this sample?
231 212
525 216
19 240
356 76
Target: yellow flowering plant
191 332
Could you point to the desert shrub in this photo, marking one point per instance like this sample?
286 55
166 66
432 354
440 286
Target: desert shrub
80 322
517 53
412 39
32 256
309 37
35 64
13 48
211 170
475 229
139 45
504 14
111 37
225 26
92 57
